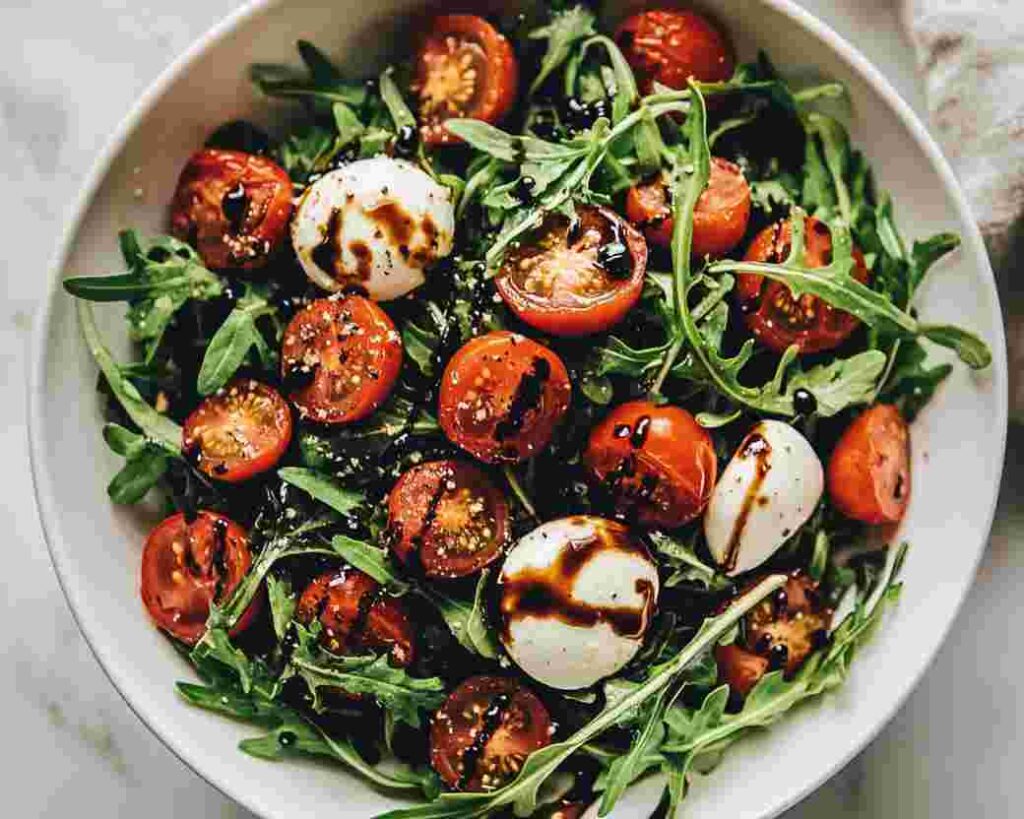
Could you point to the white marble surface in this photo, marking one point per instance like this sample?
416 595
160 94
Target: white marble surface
68 72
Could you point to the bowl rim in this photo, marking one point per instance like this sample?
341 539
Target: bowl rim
75 214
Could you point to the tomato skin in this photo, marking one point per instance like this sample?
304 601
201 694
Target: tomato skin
340 359
240 431
670 45
176 596
357 616
869 471
455 45
657 463
448 518
719 220
518 729
541 281
770 312
233 207
779 633
502 395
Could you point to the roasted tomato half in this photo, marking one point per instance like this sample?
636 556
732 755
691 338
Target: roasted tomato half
448 518
502 395
779 633
465 68
657 464
240 431
232 207
669 46
483 733
357 616
719 220
573 278
869 472
771 313
340 359
187 566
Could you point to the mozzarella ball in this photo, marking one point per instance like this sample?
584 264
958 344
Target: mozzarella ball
767 492
576 596
377 224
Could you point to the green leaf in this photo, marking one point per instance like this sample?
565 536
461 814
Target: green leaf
926 253
406 697
372 560
158 428
911 383
628 767
841 383
974 352
836 149
466 620
227 350
141 473
305 151
563 33
282 603
684 563
322 488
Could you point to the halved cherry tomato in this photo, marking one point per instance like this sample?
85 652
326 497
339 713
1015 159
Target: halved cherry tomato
568 810
340 359
448 517
483 733
240 431
502 395
187 566
575 278
657 463
769 310
465 68
719 220
779 633
357 615
869 472
232 207
671 45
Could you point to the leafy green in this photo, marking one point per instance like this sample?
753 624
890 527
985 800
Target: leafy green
841 383
565 31
369 559
322 488
466 620
160 279
406 697
911 383
282 603
233 340
684 563
323 81
522 792
146 463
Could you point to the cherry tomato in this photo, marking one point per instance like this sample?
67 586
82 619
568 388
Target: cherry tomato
240 431
657 463
573 279
357 616
569 810
448 517
233 207
483 733
771 313
502 395
778 633
340 359
187 566
719 220
869 472
671 45
465 68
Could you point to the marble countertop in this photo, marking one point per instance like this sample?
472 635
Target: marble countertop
68 72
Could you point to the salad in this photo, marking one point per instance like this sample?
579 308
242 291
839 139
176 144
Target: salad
530 418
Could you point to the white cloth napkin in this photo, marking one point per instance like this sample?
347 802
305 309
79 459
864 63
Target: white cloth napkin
971 57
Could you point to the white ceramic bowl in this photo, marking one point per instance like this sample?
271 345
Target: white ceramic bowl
958 441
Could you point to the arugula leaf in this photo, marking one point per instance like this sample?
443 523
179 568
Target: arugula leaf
160 279
157 428
406 697
563 33
231 343
322 488
147 462
841 383
466 621
282 603
371 560
685 565
323 83
911 384
522 792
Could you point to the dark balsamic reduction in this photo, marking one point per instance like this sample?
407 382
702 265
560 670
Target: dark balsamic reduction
235 204
406 142
753 446
489 723
528 396
325 255
639 436
804 401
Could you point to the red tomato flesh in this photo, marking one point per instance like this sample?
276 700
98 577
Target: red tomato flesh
574 279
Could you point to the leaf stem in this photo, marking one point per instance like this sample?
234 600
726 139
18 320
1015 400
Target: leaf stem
520 493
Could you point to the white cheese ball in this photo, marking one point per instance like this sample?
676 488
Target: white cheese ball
377 224
767 492
577 595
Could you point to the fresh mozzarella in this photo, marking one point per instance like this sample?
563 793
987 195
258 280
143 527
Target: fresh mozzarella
577 595
377 224
767 492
